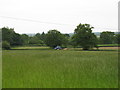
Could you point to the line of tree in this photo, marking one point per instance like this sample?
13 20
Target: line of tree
83 37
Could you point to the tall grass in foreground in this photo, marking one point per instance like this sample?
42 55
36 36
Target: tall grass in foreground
0 69
60 69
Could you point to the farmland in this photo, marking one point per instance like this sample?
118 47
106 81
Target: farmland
27 67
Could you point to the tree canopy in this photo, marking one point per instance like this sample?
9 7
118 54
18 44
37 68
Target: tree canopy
107 37
84 37
117 38
9 35
54 38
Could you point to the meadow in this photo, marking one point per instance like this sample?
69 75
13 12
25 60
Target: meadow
47 68
0 68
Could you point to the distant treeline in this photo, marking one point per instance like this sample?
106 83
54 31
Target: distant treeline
82 36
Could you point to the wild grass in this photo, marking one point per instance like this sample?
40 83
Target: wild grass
108 45
60 69
0 69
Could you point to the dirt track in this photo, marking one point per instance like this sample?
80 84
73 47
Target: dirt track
109 48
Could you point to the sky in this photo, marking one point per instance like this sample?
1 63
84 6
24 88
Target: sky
36 16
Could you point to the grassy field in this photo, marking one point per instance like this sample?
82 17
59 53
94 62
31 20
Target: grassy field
46 68
108 45
0 69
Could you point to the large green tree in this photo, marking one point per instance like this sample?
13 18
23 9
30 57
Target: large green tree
107 37
54 38
9 35
84 37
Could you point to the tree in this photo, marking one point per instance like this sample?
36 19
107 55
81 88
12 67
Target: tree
84 37
25 39
117 38
9 35
42 37
54 38
107 37
66 38
35 40
38 35
0 36
17 40
73 42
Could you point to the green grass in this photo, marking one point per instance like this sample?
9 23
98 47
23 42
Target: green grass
0 69
108 45
30 48
60 69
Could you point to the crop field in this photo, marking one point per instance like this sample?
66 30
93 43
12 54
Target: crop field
47 68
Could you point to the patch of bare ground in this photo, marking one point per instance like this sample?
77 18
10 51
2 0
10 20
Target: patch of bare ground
113 48
65 49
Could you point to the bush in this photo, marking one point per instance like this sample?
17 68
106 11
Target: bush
5 45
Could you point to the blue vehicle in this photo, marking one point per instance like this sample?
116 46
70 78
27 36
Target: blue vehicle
57 48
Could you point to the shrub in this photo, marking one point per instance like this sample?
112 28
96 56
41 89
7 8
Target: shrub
5 45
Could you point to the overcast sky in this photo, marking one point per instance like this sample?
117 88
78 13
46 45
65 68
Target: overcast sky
33 16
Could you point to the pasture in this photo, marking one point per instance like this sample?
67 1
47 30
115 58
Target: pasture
47 68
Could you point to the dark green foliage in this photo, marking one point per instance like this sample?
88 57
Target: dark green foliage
0 35
107 37
25 39
17 40
42 37
66 38
5 45
84 37
73 42
38 35
117 38
54 38
67 35
35 40
9 35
